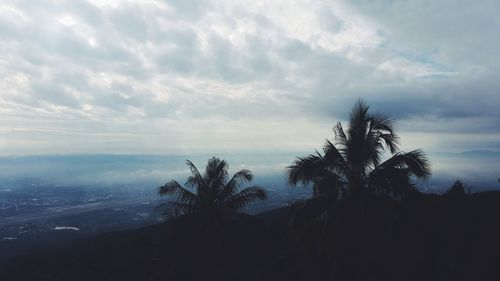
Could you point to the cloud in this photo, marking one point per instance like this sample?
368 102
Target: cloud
225 76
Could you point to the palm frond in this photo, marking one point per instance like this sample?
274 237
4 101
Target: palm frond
340 135
381 122
174 189
234 183
414 162
304 169
334 159
358 124
215 172
244 197
383 127
373 151
391 141
359 114
195 180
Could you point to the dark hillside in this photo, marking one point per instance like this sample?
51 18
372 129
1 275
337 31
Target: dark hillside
428 237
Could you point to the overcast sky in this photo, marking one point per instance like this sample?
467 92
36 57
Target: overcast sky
112 76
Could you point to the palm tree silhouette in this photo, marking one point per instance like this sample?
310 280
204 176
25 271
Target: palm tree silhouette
344 214
214 193
353 162
210 226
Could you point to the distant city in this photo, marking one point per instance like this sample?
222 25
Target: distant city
99 193
38 200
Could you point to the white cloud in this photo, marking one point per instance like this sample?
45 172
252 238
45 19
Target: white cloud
156 76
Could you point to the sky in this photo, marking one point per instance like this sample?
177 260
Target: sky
227 76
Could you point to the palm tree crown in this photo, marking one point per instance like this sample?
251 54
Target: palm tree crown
353 162
214 193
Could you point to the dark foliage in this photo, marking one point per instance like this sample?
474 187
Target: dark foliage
457 190
351 169
425 237
215 195
208 228
353 162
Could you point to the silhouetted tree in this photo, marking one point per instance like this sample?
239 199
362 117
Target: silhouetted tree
332 232
214 193
457 189
210 229
353 162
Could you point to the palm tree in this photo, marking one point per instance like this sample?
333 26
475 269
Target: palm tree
353 163
343 215
208 233
214 193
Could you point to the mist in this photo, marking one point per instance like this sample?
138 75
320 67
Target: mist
475 168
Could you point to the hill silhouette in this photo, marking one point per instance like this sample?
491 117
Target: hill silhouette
427 237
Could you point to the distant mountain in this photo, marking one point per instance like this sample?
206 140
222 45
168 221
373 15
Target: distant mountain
469 153
481 153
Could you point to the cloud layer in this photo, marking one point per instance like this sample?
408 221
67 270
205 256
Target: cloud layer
123 76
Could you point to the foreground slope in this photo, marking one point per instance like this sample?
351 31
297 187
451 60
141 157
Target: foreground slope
429 237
